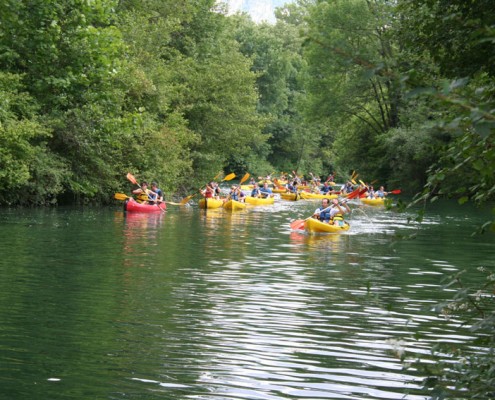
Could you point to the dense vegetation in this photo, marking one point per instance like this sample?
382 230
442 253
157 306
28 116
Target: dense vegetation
91 90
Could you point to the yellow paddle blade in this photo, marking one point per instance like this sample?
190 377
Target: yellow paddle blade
229 177
185 200
353 181
244 178
120 196
362 183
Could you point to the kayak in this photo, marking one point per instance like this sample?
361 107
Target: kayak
312 196
247 187
131 205
290 196
210 203
279 190
234 205
373 202
259 201
315 226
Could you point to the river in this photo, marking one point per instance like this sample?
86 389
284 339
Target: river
188 304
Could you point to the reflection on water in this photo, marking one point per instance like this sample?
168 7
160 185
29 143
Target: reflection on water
218 305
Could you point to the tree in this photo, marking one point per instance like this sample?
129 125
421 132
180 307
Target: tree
353 81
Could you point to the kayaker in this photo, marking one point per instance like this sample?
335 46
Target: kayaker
323 213
381 193
292 187
144 194
157 191
337 212
326 188
236 194
209 191
256 191
266 191
347 188
371 192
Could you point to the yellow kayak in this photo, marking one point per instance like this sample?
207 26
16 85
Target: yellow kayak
289 196
259 201
279 190
373 202
247 187
313 225
234 205
311 196
210 203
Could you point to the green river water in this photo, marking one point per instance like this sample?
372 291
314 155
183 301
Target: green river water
97 304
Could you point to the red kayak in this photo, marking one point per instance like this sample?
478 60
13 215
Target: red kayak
132 205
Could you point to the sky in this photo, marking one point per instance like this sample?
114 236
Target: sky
259 10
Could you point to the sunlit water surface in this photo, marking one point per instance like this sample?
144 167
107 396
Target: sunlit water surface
188 304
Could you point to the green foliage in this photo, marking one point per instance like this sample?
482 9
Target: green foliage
24 156
467 370
456 33
353 80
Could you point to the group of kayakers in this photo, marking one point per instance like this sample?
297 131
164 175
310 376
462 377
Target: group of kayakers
330 211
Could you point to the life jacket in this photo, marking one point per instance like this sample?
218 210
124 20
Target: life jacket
208 193
338 217
325 214
234 196
144 197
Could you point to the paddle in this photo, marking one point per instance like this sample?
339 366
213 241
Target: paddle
396 191
355 193
229 177
244 178
353 177
122 196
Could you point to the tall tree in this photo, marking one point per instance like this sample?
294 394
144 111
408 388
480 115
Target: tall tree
353 81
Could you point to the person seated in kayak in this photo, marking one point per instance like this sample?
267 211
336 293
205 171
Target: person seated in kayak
144 194
315 186
381 193
371 192
326 188
217 192
266 191
158 192
347 188
323 212
256 191
209 191
236 194
337 212
292 187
